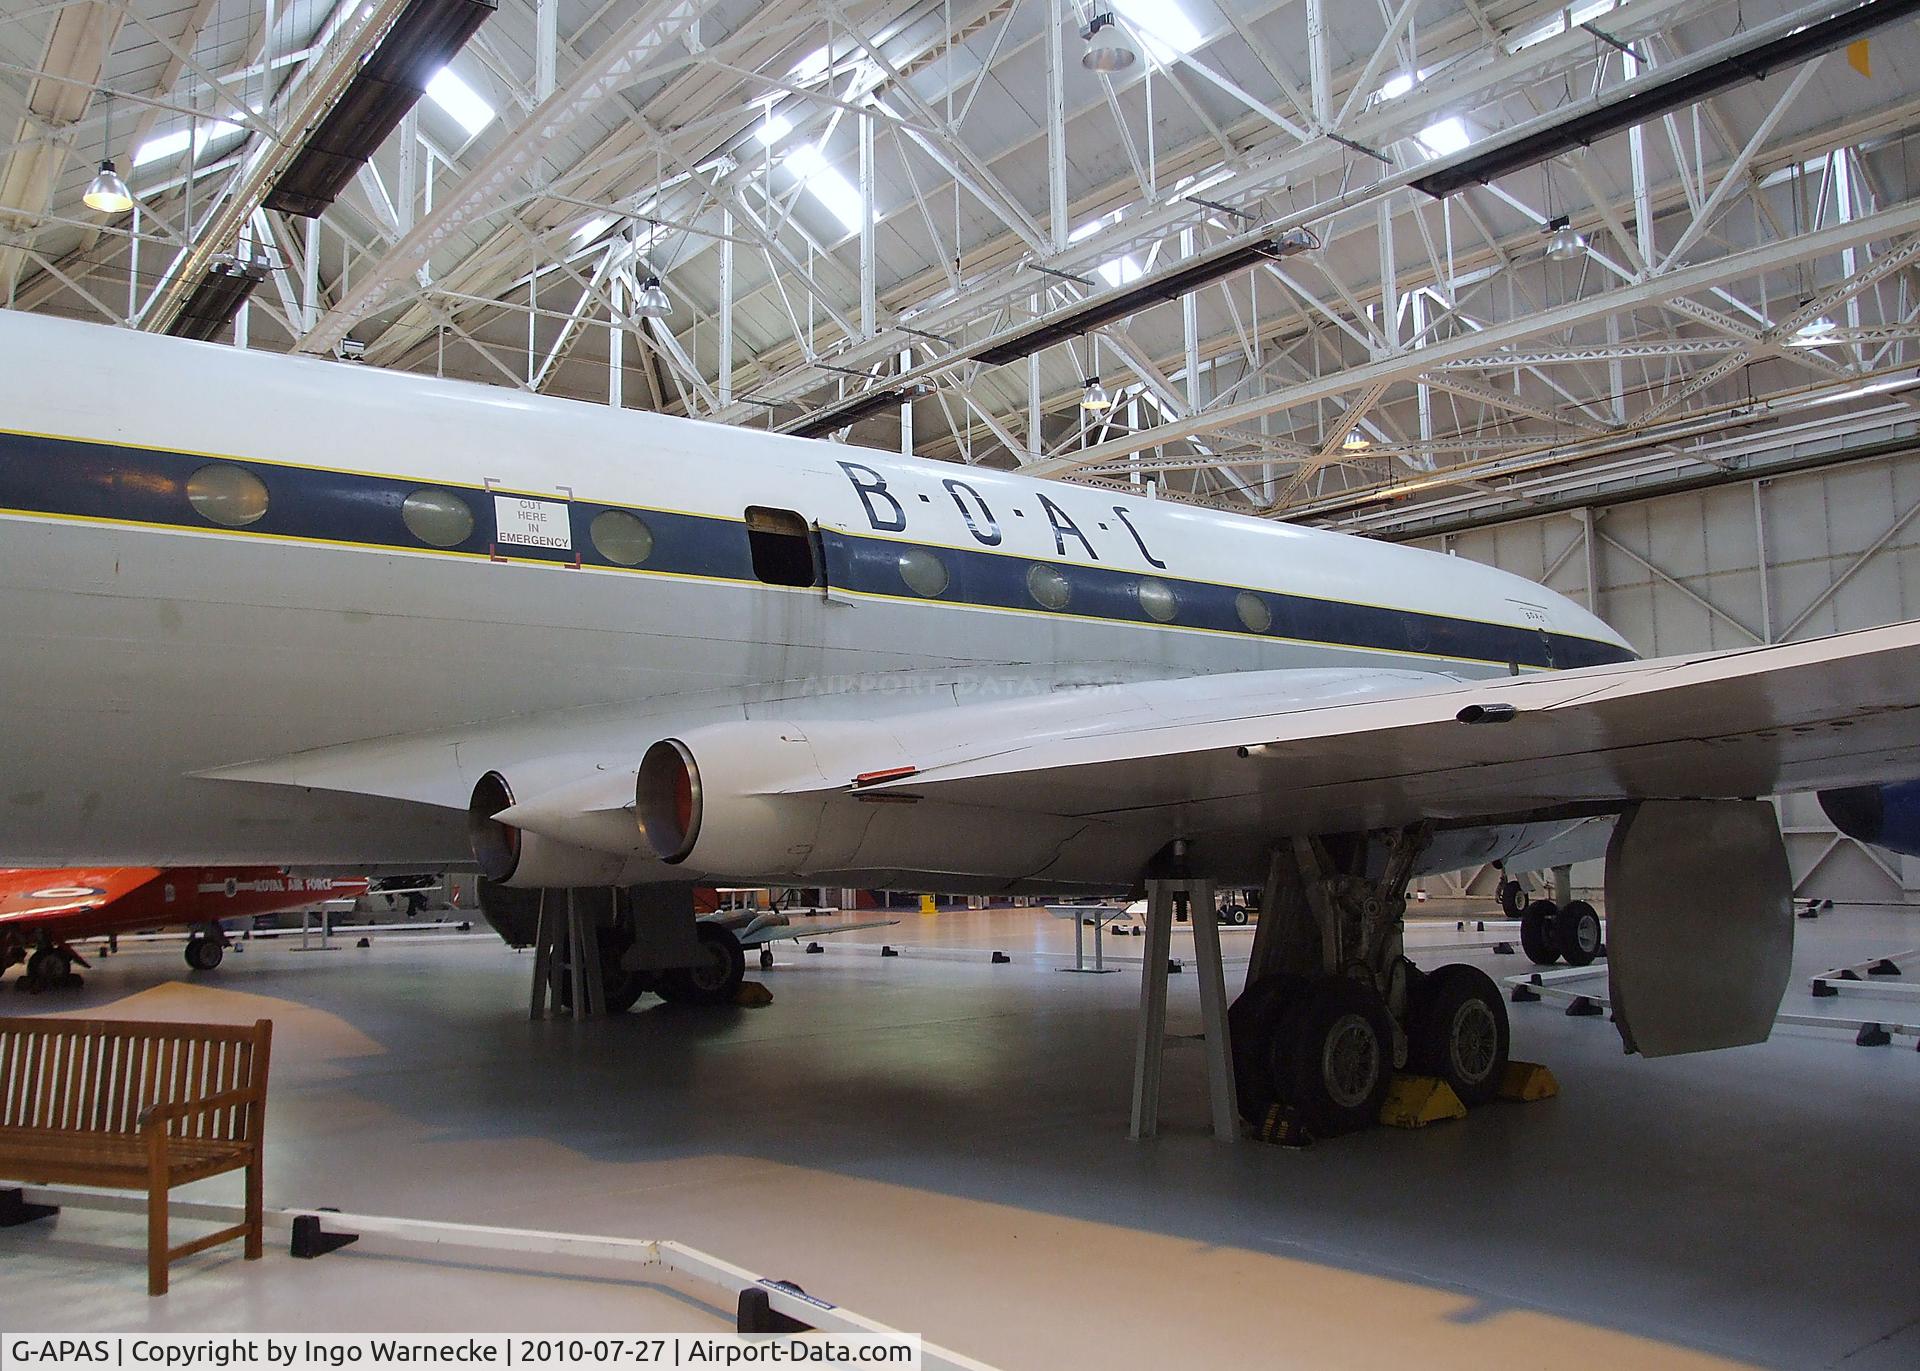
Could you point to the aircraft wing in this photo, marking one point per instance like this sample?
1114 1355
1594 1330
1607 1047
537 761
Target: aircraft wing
774 933
1829 712
29 894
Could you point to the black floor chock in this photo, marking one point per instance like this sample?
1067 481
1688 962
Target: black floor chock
311 1239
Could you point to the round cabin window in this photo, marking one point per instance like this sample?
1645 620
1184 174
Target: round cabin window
437 517
924 573
226 494
1253 612
1157 600
621 537
1049 586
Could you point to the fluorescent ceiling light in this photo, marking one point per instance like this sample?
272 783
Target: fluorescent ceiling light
1401 84
157 149
1444 138
1164 30
773 128
825 184
1117 271
169 145
460 100
810 66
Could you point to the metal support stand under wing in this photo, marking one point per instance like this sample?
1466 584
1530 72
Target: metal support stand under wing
1152 1040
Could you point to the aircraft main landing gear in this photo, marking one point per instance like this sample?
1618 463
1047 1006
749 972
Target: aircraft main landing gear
1550 932
50 967
206 949
1332 1006
718 975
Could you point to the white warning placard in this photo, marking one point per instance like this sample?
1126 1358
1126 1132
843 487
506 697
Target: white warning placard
528 522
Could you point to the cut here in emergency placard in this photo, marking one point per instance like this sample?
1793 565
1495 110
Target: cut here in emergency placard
527 522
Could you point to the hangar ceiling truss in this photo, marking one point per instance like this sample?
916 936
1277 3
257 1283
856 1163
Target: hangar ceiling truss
851 196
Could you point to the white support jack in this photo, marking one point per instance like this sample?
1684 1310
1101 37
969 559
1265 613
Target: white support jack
566 962
1198 896
1082 915
306 931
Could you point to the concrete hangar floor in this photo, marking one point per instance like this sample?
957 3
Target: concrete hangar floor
937 1140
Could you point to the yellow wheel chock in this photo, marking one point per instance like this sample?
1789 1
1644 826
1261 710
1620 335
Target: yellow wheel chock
1416 1101
1528 1081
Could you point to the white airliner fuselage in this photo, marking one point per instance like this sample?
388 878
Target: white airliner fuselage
212 557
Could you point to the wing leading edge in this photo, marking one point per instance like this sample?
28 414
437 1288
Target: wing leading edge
1802 716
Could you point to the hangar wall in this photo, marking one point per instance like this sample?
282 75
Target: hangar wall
1772 559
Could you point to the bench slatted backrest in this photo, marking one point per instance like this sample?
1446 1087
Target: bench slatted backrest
98 1075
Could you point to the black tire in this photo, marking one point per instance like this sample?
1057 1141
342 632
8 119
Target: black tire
46 968
1235 914
1457 1030
620 989
1536 932
204 954
1252 1020
715 980
1513 899
1332 1057
1575 933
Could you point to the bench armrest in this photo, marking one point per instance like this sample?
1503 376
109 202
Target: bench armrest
162 1114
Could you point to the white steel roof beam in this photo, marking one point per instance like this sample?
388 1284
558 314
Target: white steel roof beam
620 61
1895 222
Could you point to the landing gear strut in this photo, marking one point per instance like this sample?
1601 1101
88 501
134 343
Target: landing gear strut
1332 1006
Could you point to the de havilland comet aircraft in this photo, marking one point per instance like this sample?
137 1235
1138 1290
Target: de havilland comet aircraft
261 610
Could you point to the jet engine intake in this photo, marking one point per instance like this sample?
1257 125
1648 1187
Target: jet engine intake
760 800
1886 816
511 855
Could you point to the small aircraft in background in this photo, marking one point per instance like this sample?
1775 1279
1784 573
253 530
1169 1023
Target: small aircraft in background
44 911
759 927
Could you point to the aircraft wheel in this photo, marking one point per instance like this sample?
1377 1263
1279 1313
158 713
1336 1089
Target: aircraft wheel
46 969
1536 932
620 989
1332 1057
722 967
1251 1022
204 954
766 958
1457 1030
1575 933
1513 899
1235 914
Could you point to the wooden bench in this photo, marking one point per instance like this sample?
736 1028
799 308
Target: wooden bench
133 1106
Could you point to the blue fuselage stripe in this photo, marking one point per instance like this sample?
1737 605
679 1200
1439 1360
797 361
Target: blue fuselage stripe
107 482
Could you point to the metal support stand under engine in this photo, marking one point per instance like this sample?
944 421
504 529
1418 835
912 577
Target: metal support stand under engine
566 961
1198 896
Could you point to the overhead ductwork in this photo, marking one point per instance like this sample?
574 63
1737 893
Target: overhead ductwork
1773 47
226 285
424 37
